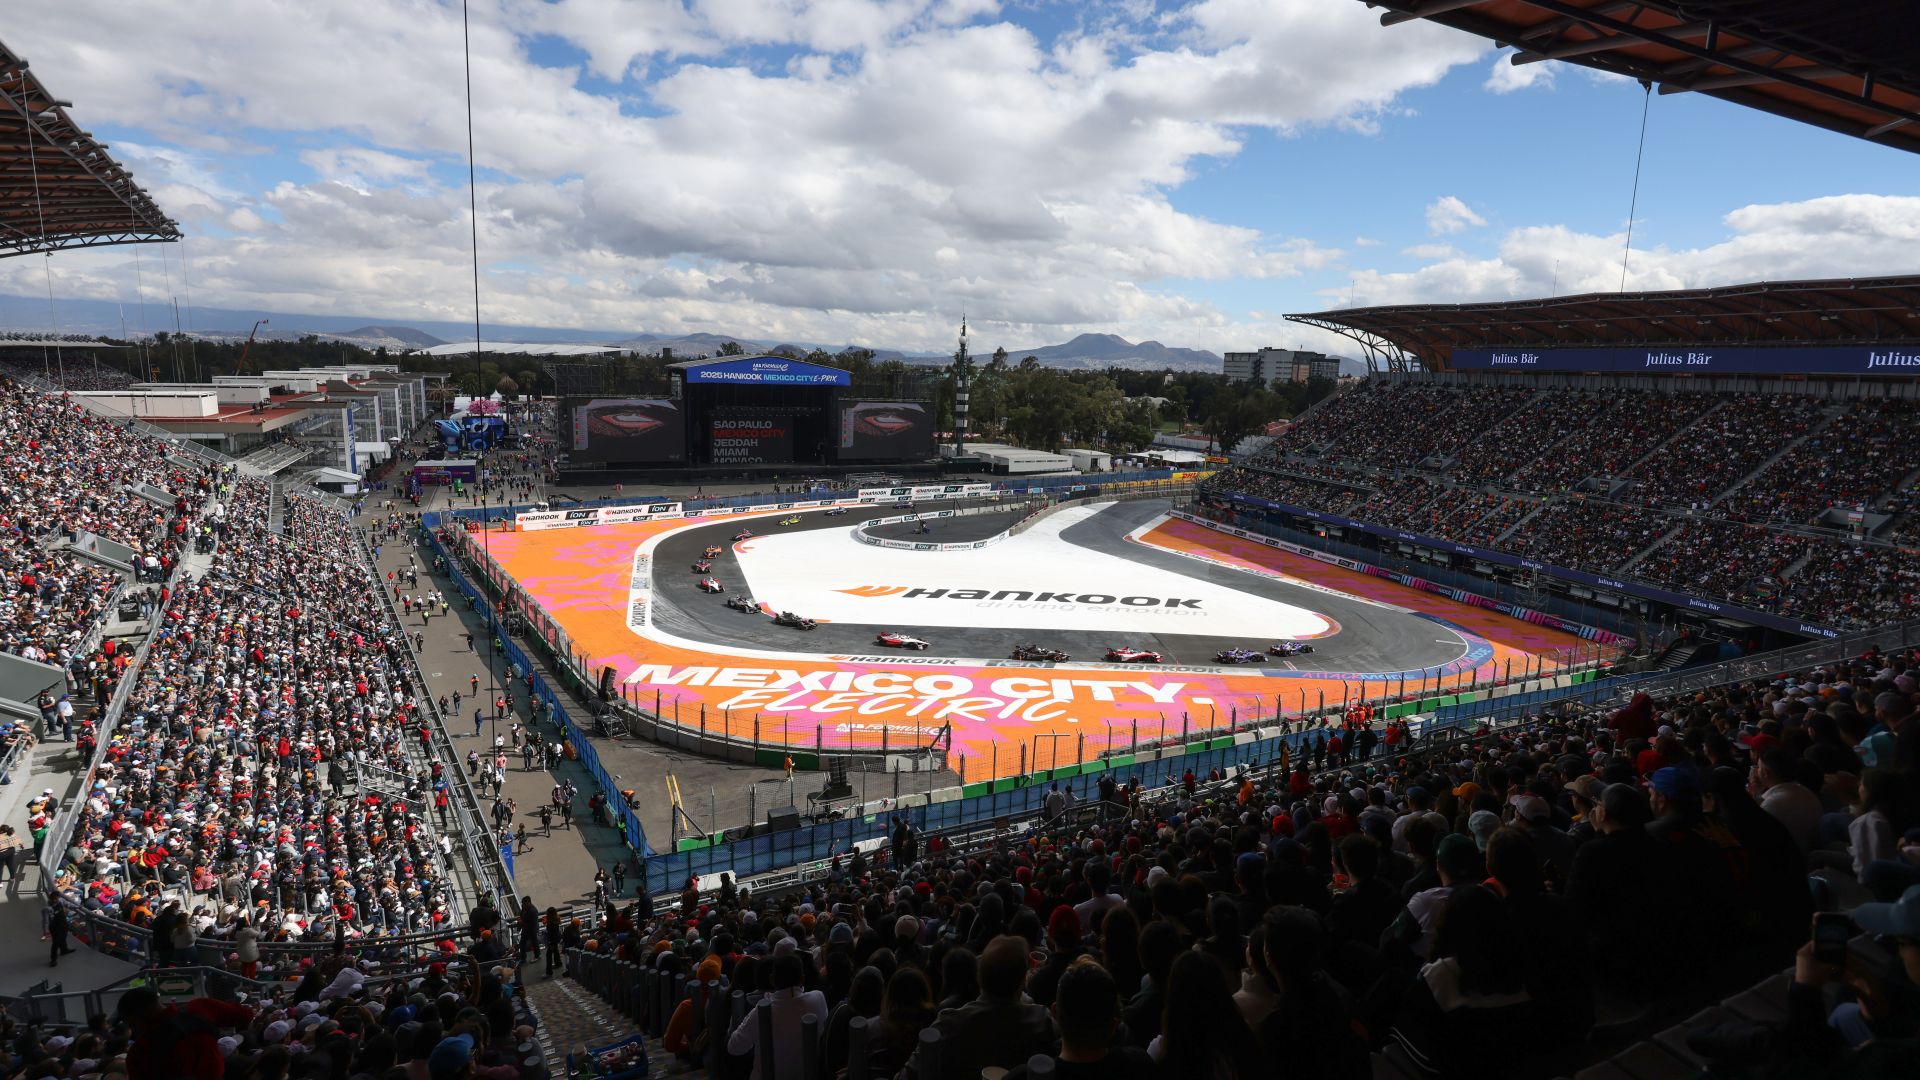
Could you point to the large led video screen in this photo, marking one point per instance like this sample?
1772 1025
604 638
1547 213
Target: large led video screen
740 438
628 430
873 430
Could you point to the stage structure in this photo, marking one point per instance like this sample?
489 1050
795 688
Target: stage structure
748 412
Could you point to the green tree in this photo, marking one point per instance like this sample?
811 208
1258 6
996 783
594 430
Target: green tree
731 348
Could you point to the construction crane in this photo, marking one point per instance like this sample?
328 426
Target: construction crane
241 368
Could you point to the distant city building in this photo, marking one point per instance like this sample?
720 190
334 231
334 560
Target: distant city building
1271 367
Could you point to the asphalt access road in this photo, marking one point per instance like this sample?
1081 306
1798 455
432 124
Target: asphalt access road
1370 638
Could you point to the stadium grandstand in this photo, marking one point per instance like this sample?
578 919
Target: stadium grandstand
1701 860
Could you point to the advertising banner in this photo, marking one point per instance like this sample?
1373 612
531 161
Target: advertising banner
1700 360
750 440
628 430
871 430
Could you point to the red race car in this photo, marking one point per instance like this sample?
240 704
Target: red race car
894 640
707 584
703 566
1123 655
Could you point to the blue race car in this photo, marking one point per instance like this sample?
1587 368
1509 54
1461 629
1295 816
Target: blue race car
1239 656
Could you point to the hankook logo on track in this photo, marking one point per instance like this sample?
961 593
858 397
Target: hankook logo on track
1026 597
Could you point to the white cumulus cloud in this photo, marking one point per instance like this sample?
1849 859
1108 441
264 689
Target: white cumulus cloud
1448 215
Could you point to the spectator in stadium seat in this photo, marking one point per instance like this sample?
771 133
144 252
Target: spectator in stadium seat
1086 1012
1617 891
1790 802
1201 1032
1002 1027
790 1002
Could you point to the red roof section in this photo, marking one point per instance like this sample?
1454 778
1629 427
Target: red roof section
1832 312
1851 66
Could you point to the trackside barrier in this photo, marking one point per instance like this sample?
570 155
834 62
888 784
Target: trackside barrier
555 707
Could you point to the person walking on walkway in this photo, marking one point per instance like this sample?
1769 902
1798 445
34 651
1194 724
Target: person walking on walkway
546 819
620 877
57 927
553 940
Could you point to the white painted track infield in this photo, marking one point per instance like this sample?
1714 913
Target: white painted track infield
826 574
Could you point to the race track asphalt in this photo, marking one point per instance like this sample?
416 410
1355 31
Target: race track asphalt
1371 638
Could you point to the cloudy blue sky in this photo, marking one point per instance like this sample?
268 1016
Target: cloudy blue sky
863 170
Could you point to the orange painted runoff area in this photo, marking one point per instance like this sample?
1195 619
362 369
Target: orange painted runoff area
1005 717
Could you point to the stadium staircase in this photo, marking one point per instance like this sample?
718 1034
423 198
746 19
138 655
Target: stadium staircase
276 509
1833 415
1658 543
1518 525
272 458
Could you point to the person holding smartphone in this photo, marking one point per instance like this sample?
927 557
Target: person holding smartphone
1878 1033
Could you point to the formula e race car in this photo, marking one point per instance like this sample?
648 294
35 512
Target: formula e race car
742 603
1123 655
893 640
1289 648
707 584
788 618
712 552
703 566
836 511
794 520
1029 651
1239 656
743 534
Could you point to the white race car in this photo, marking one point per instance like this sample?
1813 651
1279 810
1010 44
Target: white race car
1121 654
708 584
894 640
837 511
1289 648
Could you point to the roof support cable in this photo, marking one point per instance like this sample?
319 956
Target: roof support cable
40 211
1633 203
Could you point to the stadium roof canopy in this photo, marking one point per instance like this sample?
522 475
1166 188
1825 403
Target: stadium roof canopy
1843 311
1848 65
58 187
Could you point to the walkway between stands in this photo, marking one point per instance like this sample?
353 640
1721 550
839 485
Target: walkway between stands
556 869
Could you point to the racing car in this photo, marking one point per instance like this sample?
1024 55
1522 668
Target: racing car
703 566
836 511
788 618
1289 648
1030 651
1123 655
1239 656
794 520
707 584
712 552
894 640
743 534
742 603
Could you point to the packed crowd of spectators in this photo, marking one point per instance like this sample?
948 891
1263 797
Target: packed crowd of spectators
1399 425
1598 536
222 803
1679 453
1861 457
65 473
1855 585
1484 522
73 372
451 1021
1475 905
1694 466
1609 440
1291 490
1739 562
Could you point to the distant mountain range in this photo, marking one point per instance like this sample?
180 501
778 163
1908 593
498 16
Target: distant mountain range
1111 350
112 319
